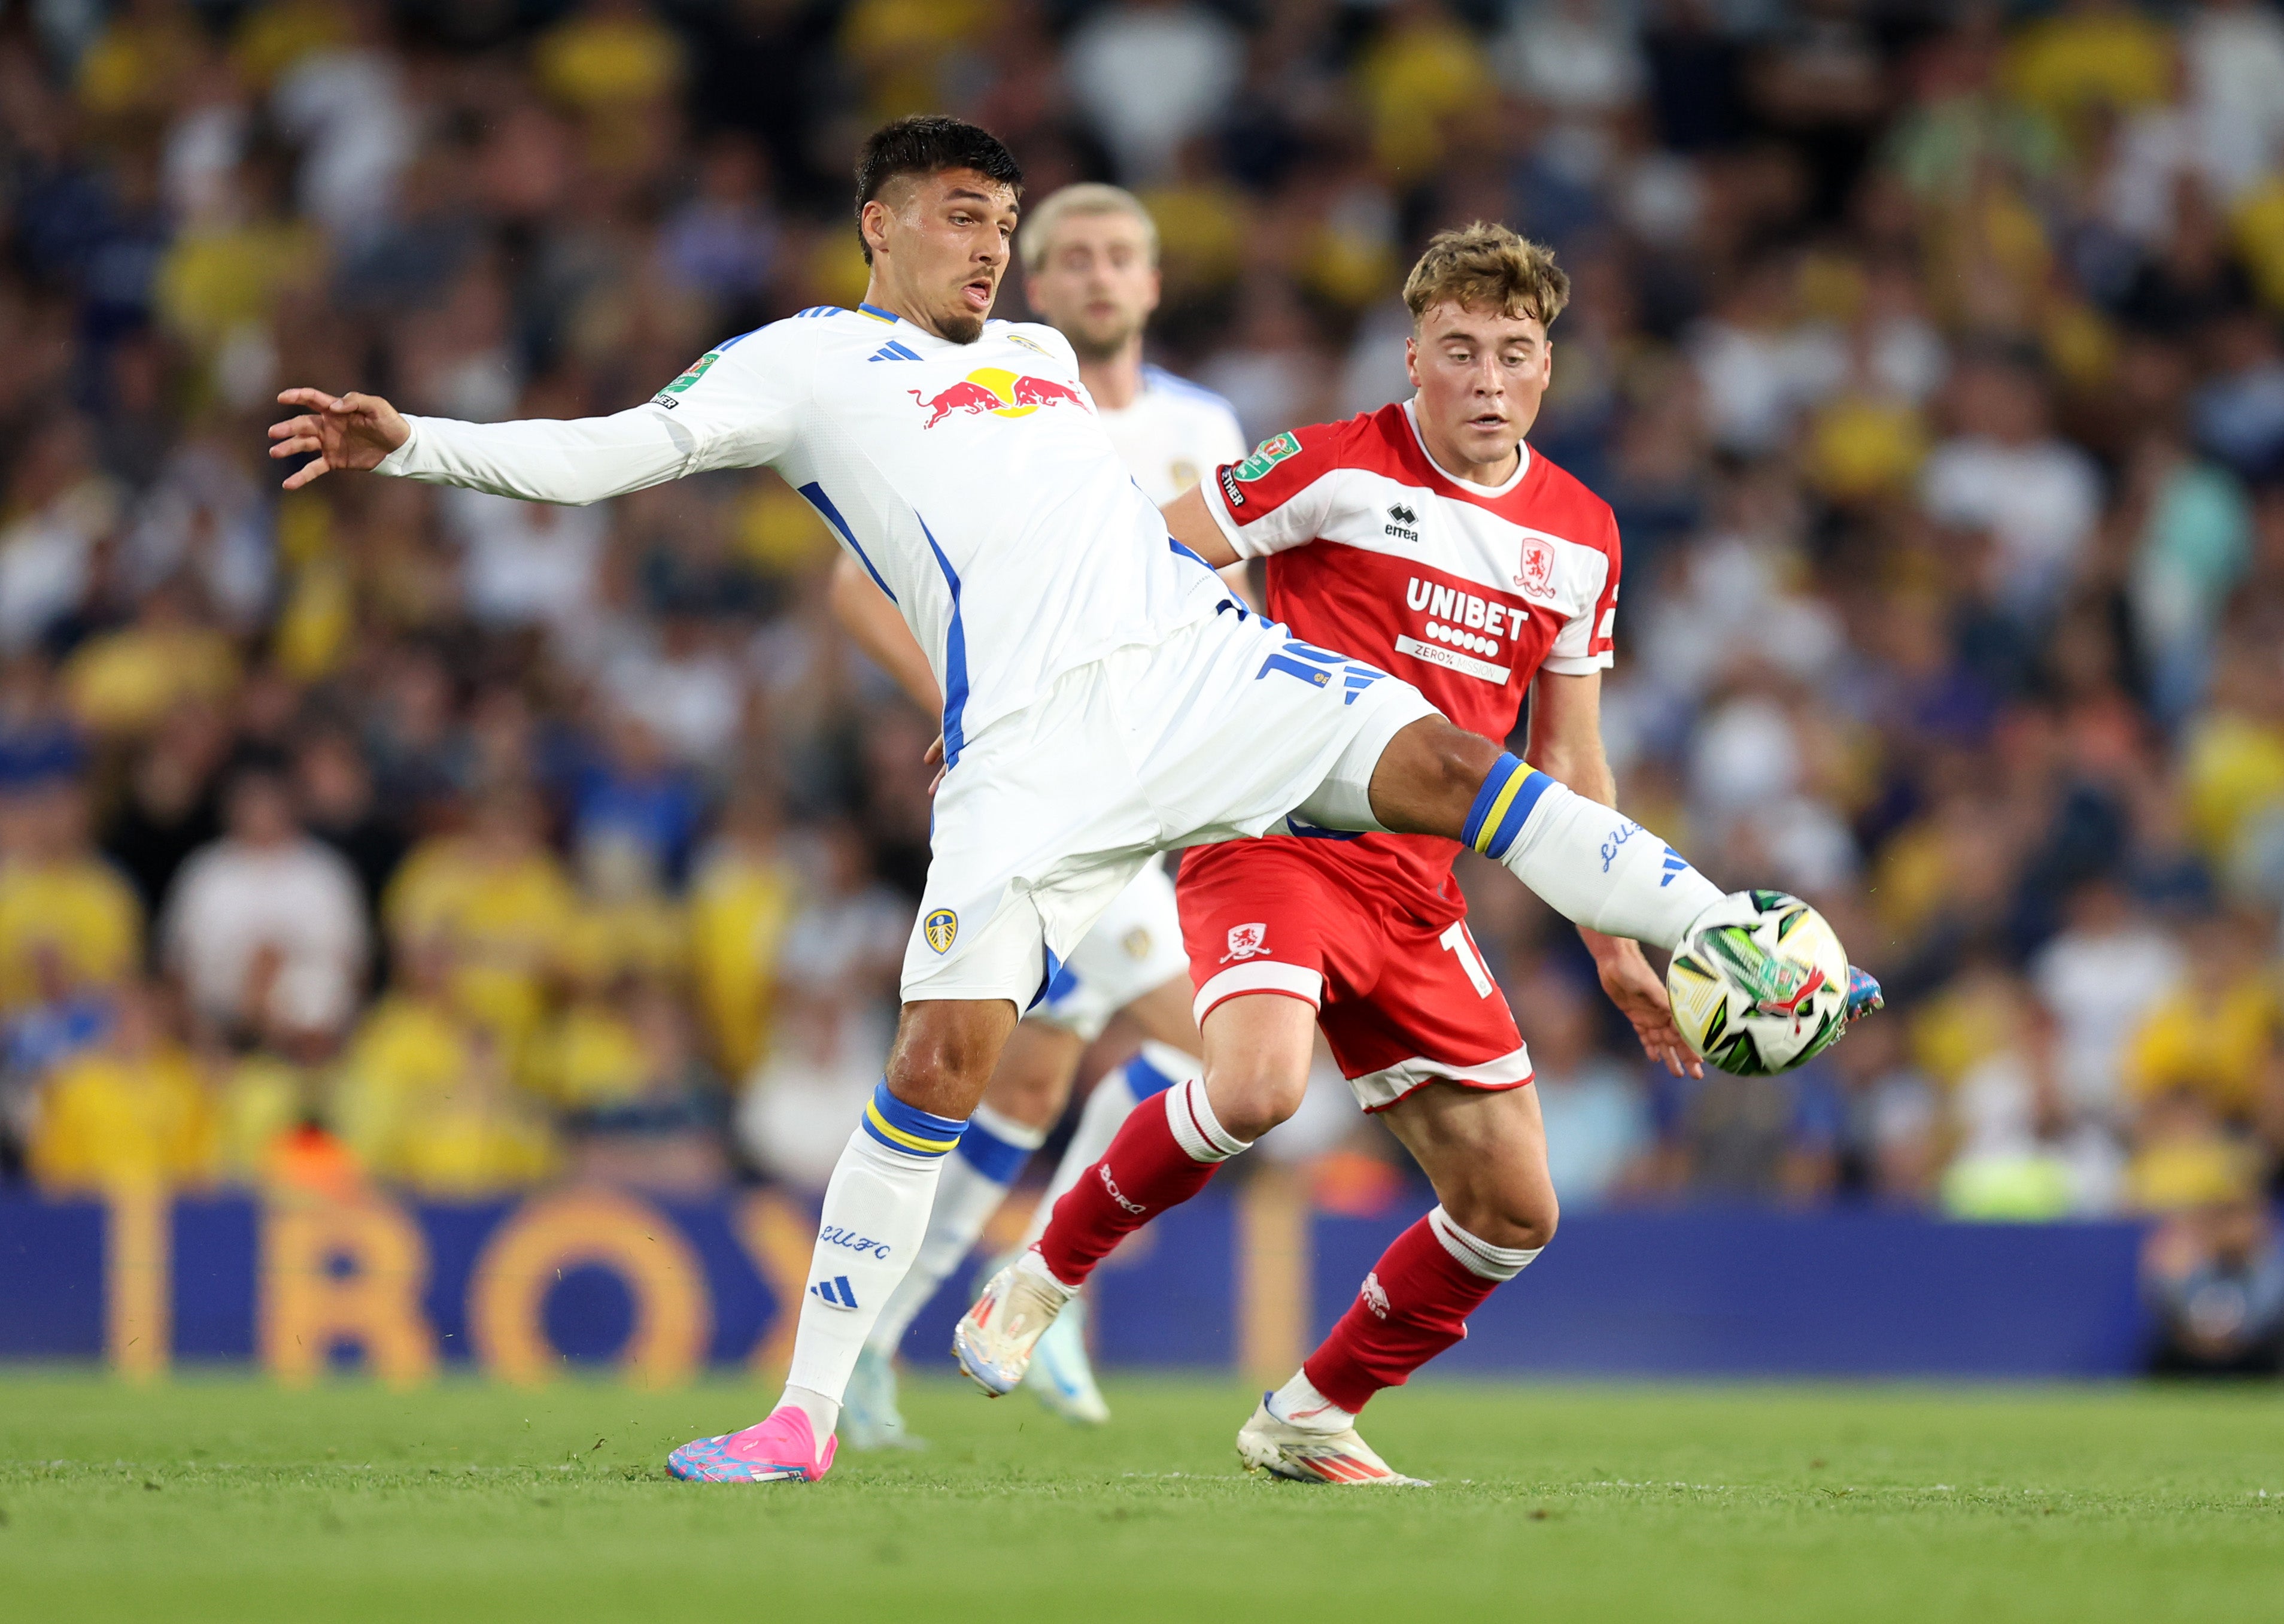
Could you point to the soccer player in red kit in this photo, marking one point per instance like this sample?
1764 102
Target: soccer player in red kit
1425 537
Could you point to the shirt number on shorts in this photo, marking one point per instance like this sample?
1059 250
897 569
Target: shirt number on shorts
1315 667
1459 943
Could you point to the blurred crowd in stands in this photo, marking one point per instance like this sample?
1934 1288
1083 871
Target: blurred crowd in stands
1931 352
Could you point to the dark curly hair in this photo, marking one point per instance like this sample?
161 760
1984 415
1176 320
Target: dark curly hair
928 144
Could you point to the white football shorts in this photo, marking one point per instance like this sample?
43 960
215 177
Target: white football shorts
1215 734
1134 948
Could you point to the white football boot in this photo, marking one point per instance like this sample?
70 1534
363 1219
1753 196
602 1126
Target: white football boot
869 1416
995 1339
1062 1375
1311 1455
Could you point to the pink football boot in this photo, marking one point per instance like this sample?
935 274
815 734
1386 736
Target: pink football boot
782 1447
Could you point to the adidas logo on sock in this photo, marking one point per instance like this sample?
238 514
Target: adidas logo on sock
1674 864
1374 1296
834 1292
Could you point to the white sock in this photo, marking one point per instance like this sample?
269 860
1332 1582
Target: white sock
876 1210
1030 1263
1160 1066
1190 1113
1476 1255
1299 1402
1591 865
824 1414
975 1180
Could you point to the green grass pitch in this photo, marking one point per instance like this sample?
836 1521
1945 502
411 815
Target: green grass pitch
228 1499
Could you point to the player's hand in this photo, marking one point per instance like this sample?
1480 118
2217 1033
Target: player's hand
935 759
1640 997
350 431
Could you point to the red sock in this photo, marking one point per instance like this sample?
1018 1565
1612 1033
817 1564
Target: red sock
1168 1148
1414 1304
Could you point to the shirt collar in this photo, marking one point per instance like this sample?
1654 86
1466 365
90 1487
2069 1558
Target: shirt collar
1521 463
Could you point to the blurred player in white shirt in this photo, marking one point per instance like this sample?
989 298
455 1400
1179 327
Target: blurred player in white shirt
1089 256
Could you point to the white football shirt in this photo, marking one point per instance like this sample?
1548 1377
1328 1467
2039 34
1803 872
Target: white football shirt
1174 435
975 484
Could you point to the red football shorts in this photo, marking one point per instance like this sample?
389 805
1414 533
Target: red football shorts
1402 994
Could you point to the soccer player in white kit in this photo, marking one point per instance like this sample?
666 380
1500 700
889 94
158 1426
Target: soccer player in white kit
1089 257
1106 696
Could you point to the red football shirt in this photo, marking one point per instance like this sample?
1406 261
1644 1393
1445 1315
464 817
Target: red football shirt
1467 591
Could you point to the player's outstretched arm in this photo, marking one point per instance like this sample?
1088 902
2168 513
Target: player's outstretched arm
1566 744
573 461
873 623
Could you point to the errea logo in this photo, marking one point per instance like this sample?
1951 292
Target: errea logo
1402 521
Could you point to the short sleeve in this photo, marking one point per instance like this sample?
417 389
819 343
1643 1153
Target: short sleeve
1585 644
1282 495
741 401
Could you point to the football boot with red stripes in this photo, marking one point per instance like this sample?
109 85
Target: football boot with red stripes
1306 1454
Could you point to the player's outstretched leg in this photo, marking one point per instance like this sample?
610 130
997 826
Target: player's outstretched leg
876 1210
1485 1152
1589 862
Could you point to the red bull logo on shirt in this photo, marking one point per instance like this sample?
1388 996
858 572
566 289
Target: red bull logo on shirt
999 392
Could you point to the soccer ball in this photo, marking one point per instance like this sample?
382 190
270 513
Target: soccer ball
1759 984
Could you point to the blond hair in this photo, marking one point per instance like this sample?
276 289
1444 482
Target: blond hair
1485 266
1087 197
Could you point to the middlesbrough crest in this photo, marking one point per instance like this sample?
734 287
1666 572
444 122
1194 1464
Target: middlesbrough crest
1535 578
1245 940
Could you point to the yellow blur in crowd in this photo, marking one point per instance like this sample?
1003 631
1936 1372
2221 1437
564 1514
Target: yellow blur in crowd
503 901
447 1085
121 683
515 990
63 924
133 1111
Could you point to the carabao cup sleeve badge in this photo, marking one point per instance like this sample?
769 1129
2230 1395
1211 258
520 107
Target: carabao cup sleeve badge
941 928
1267 455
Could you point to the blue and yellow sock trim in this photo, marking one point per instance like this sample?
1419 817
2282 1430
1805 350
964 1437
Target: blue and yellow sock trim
907 1128
1503 805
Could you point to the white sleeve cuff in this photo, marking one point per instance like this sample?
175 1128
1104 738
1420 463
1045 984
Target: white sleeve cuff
399 462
